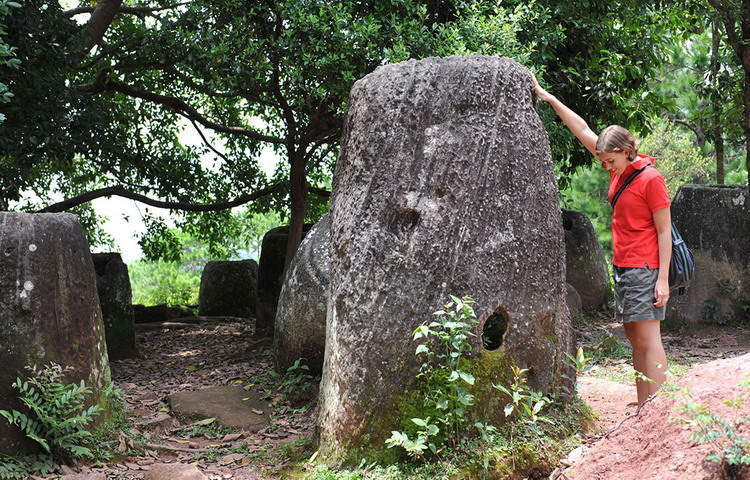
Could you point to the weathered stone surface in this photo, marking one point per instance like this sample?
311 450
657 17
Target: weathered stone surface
585 267
173 471
49 309
271 275
444 185
715 224
300 327
228 288
573 299
115 299
231 406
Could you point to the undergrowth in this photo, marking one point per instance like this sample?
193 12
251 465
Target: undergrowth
55 418
443 444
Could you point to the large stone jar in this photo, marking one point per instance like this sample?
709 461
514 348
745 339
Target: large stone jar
715 223
300 326
49 310
116 301
228 289
444 185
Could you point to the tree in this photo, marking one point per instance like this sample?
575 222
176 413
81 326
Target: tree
273 74
735 16
599 58
99 106
7 58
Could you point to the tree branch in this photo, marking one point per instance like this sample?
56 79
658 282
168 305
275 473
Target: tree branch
286 109
319 191
730 25
697 130
120 191
208 144
103 83
139 11
101 18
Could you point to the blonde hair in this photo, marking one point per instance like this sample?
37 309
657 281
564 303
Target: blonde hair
616 139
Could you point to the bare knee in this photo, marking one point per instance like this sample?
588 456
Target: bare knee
643 337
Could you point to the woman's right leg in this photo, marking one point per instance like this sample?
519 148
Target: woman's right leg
649 358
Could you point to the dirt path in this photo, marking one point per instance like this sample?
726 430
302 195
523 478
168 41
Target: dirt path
191 358
612 399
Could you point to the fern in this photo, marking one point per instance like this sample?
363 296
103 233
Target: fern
22 467
56 419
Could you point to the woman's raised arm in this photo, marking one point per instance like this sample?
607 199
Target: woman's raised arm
571 119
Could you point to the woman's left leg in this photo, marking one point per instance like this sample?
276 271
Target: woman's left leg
649 358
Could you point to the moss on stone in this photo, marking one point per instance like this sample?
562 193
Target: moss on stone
488 368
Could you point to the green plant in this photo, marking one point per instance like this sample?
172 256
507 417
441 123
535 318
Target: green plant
24 466
296 378
447 340
525 403
580 363
729 447
58 420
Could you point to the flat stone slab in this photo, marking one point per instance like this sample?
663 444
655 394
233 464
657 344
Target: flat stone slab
173 471
232 406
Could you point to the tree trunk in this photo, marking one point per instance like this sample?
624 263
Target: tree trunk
718 131
298 193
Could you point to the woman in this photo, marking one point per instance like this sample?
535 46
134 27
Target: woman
641 240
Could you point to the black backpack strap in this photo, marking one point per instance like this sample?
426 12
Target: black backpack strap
627 182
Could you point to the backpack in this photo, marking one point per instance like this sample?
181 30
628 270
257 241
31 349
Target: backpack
682 264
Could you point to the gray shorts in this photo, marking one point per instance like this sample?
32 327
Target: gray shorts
634 294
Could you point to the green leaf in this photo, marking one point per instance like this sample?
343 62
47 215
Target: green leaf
419 421
467 377
422 348
508 410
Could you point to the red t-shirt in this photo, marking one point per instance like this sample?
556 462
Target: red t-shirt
634 237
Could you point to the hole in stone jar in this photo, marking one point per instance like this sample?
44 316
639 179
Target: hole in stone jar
439 192
404 219
494 329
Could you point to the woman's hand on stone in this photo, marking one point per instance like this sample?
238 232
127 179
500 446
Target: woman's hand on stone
540 92
661 292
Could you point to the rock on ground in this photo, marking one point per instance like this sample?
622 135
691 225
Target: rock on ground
444 185
228 288
300 326
173 471
652 446
585 267
49 309
714 221
231 406
115 299
160 313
